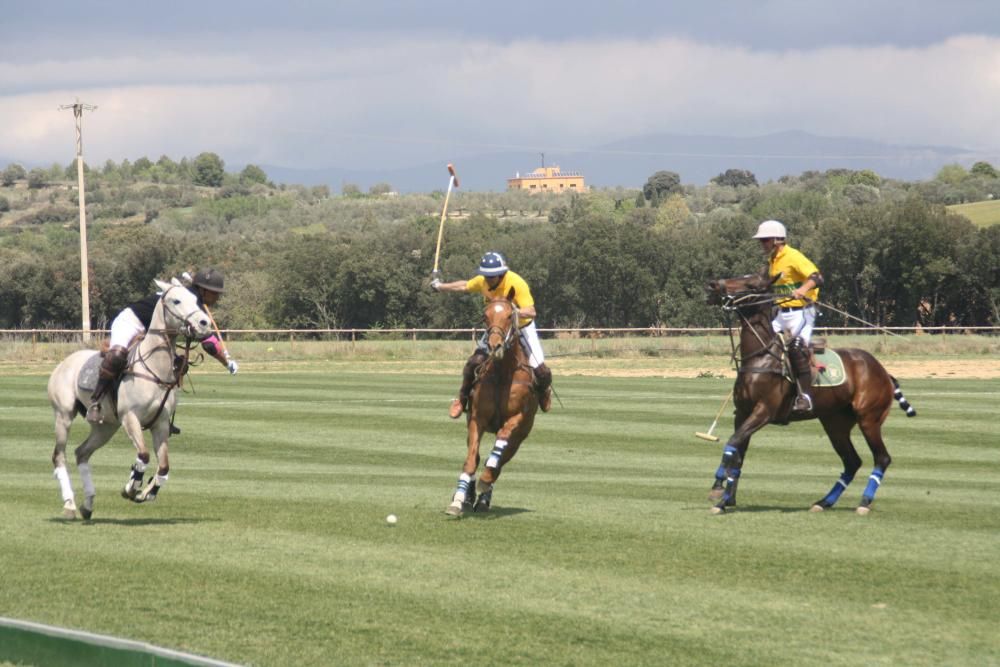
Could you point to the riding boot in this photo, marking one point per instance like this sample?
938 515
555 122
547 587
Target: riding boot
543 385
798 355
112 365
460 404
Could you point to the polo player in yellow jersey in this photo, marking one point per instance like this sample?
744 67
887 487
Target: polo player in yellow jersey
800 280
495 279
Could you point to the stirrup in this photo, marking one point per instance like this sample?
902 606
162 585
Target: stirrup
457 408
803 404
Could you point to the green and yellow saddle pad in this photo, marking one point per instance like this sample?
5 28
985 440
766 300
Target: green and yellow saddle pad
832 373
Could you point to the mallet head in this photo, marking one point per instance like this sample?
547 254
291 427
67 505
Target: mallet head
707 436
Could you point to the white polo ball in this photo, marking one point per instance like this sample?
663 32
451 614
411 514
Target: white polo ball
391 519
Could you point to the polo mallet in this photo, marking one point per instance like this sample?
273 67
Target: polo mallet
708 436
452 181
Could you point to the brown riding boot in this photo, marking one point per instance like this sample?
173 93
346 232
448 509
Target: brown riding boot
543 385
798 355
112 365
458 405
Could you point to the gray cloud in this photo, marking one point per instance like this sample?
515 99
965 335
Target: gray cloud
389 98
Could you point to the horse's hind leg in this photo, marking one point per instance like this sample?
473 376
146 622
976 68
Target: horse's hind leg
871 427
99 435
838 429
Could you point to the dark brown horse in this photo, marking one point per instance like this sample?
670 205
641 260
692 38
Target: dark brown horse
764 392
503 401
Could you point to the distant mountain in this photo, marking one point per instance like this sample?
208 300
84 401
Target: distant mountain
629 162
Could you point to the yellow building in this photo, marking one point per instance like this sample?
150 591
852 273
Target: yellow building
548 179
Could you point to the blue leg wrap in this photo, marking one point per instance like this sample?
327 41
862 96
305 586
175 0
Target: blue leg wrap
874 481
837 489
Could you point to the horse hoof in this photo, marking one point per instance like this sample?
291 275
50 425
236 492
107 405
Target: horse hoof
455 509
863 511
718 510
816 508
69 510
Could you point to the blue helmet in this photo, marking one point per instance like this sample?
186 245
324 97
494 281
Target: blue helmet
492 264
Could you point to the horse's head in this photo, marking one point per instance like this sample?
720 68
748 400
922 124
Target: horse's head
181 312
740 292
500 317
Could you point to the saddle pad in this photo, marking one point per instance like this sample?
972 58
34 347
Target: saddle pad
833 375
87 379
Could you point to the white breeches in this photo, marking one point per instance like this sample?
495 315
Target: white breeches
125 327
796 322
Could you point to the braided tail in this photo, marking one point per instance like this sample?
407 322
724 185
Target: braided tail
903 403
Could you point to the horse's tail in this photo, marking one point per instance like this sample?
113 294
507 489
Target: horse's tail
903 403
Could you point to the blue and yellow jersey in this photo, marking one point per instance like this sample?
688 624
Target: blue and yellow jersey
795 268
522 293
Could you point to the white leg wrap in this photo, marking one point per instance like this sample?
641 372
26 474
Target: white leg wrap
494 460
65 486
88 480
482 487
139 465
465 480
161 479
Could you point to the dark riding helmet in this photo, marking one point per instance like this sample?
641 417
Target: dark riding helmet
492 264
210 279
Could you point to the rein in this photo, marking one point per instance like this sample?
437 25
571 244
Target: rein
736 303
168 343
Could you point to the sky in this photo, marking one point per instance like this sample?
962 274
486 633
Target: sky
390 84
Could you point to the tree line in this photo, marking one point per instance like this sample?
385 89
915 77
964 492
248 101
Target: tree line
299 257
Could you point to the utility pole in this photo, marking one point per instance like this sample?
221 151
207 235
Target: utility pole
543 160
78 109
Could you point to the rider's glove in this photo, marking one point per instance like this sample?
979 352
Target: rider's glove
232 366
436 284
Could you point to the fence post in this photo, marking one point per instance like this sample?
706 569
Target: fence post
291 341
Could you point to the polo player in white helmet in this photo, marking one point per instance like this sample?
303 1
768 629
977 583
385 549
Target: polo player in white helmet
799 279
495 279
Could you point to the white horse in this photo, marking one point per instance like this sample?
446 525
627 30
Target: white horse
146 399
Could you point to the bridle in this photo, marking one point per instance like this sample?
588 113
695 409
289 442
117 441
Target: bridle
183 317
166 335
739 303
507 335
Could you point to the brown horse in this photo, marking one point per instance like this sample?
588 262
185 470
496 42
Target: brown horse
764 392
503 401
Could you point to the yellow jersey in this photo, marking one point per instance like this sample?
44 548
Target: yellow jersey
795 268
522 293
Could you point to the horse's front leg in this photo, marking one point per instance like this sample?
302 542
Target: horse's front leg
161 434
509 439
465 490
727 476
133 486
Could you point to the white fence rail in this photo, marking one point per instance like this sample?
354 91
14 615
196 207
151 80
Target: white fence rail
64 335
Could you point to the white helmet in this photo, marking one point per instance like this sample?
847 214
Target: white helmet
770 229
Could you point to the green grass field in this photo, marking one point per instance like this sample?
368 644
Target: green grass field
269 544
981 213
